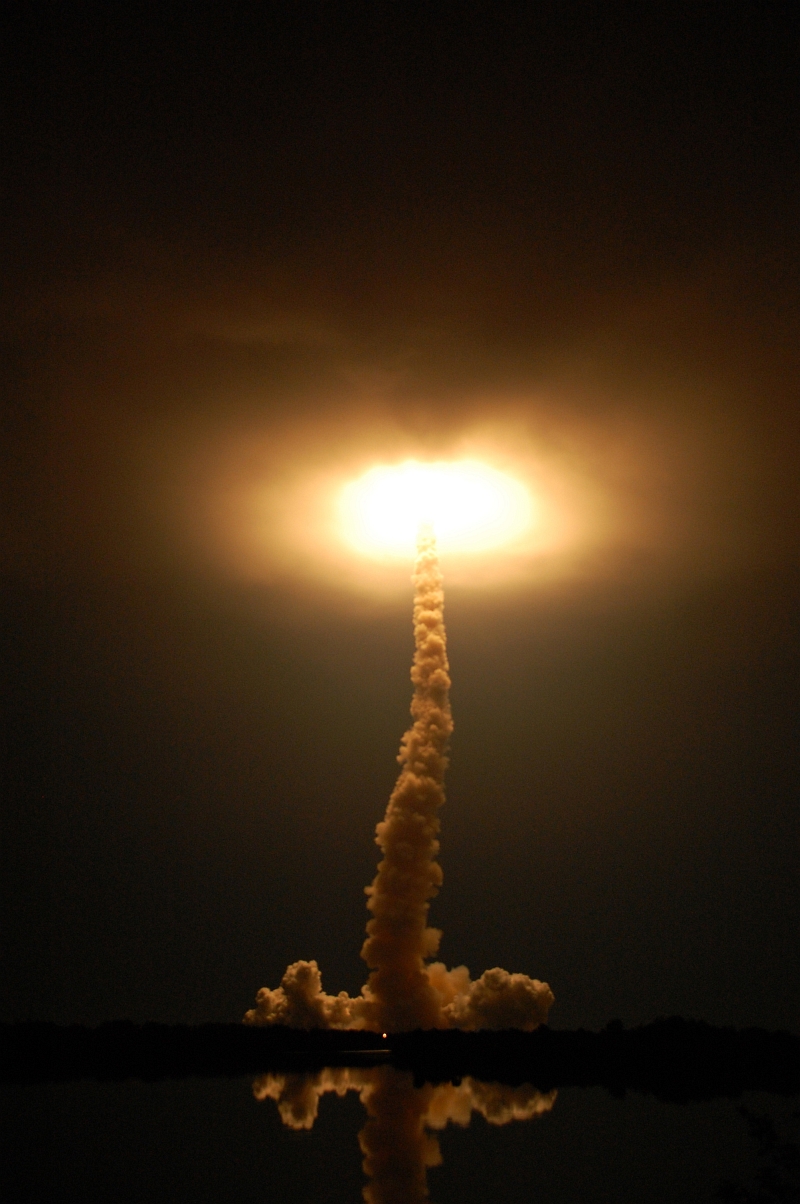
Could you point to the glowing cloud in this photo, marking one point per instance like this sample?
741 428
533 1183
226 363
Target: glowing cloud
471 507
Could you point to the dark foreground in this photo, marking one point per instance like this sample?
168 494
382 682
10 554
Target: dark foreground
673 1059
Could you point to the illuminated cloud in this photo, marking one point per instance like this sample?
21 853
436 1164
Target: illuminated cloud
337 502
472 508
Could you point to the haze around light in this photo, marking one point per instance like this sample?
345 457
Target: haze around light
471 507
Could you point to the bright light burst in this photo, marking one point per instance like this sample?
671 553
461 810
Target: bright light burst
472 508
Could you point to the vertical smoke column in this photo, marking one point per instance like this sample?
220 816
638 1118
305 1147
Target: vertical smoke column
399 993
404 991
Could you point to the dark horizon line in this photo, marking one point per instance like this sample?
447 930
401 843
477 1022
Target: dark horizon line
673 1058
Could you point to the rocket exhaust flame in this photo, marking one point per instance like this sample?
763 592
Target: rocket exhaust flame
404 991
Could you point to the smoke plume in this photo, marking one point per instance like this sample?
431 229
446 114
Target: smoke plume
399 990
404 990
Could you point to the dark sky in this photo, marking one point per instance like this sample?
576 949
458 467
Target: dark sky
255 243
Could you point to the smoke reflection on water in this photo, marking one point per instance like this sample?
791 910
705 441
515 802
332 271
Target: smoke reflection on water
396 1141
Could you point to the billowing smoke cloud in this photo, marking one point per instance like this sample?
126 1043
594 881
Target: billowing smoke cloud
300 1002
396 1142
404 991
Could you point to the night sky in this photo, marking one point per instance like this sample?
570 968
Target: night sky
247 248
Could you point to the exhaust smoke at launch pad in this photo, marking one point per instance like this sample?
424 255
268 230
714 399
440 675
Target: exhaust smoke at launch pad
405 990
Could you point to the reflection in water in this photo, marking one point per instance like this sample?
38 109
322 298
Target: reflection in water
396 1142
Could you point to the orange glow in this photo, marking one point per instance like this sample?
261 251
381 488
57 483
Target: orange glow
471 507
337 503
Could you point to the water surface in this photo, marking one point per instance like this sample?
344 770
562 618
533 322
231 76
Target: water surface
198 1140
